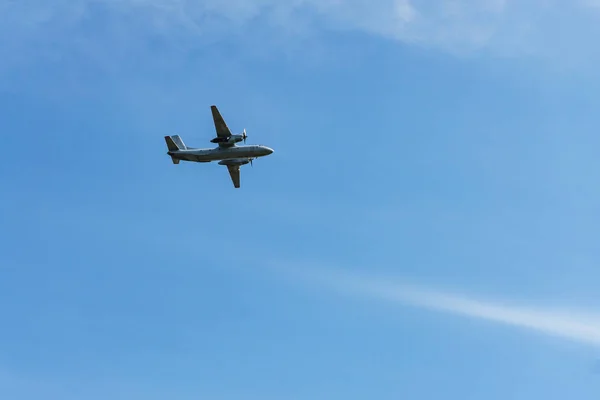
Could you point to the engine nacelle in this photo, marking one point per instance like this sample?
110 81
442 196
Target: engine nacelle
234 161
230 139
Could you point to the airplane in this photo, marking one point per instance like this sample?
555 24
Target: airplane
227 152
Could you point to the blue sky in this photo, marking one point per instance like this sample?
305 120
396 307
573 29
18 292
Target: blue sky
426 228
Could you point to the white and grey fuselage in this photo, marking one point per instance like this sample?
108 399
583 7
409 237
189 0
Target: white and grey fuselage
221 153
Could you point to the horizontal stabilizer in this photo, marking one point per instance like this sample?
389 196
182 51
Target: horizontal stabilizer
175 160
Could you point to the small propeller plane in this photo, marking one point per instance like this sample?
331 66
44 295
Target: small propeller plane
227 152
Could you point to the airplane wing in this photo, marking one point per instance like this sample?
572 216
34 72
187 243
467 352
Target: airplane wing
220 125
234 172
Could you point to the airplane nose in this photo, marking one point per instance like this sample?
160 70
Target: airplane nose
269 150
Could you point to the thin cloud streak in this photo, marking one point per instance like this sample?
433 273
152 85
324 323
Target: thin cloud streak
575 326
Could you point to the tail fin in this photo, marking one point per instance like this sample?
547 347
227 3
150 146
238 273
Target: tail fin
174 143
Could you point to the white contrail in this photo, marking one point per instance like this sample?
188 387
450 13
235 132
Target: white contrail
576 326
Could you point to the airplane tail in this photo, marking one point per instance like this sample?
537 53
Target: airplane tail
175 143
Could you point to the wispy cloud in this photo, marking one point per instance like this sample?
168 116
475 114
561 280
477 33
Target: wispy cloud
554 28
582 327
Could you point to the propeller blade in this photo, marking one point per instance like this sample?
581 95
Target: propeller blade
244 136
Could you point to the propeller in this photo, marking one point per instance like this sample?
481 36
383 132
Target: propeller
244 136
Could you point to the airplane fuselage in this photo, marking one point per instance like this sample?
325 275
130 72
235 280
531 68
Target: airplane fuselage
218 153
